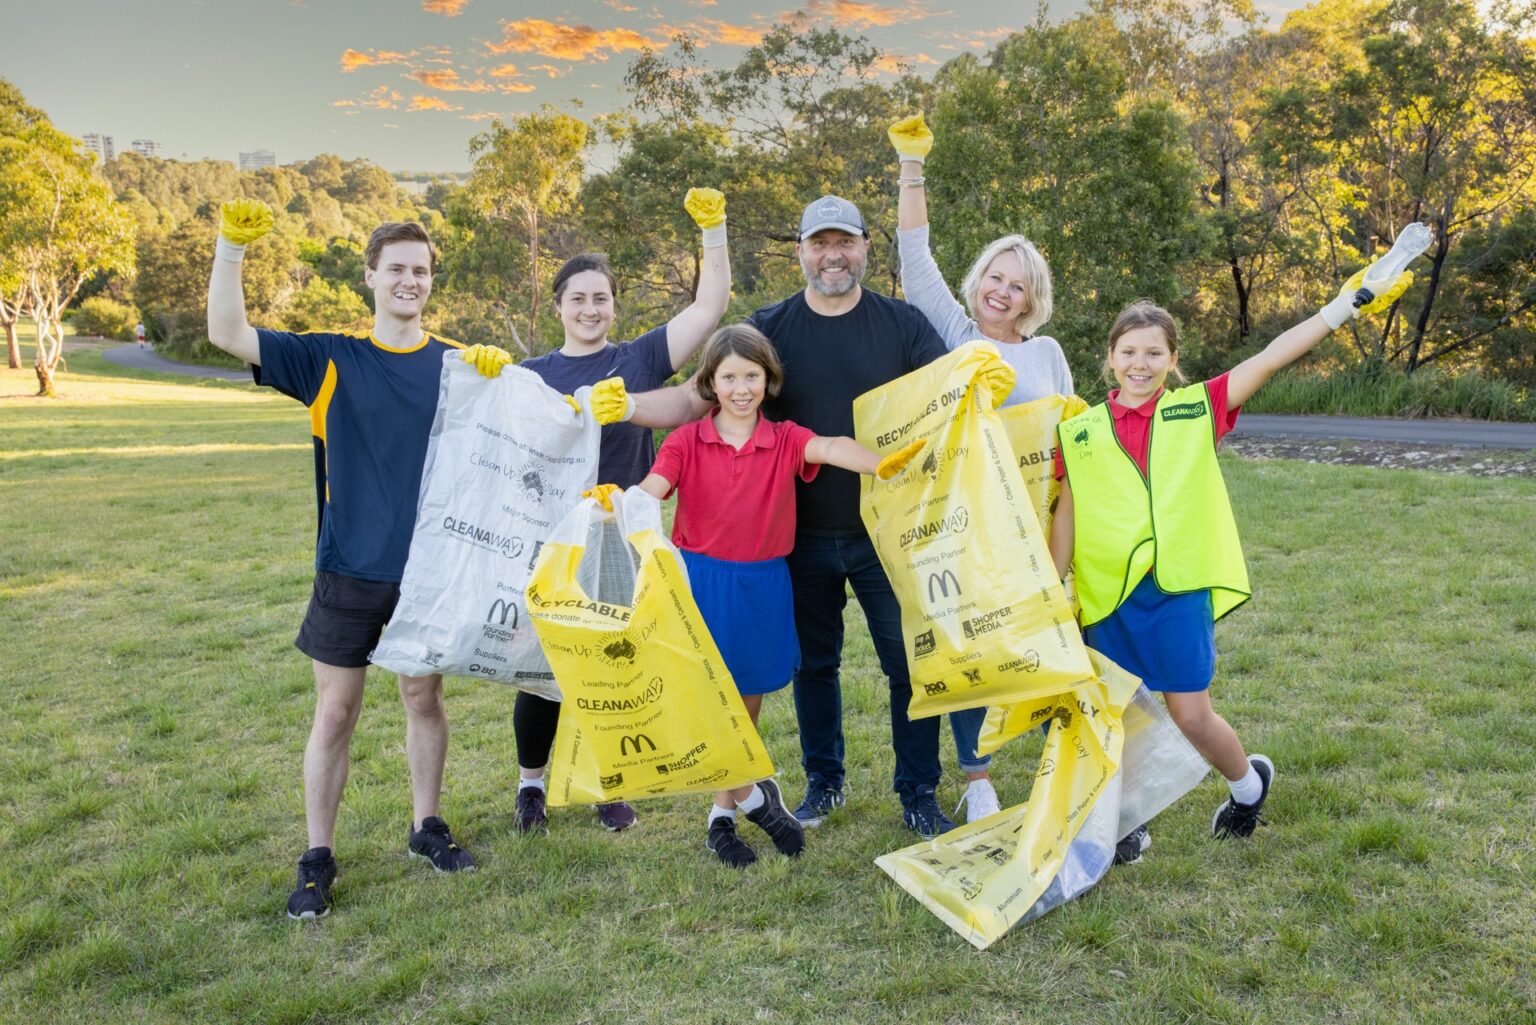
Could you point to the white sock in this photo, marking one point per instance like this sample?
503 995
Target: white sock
1248 789
717 812
536 783
753 801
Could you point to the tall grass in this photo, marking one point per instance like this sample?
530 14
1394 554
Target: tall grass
1373 390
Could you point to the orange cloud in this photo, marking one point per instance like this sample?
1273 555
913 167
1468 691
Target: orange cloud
619 5
711 31
506 71
568 42
351 59
480 115
448 81
517 87
431 103
447 8
382 98
854 14
549 69
892 64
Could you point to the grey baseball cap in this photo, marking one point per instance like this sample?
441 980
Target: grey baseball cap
831 212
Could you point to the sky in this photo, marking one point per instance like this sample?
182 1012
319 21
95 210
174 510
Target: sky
407 83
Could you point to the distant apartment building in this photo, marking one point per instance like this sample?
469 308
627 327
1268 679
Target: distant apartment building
257 158
147 147
101 145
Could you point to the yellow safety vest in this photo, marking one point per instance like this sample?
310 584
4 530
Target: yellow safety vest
1175 521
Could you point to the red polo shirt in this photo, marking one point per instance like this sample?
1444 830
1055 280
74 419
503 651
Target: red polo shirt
1133 424
735 504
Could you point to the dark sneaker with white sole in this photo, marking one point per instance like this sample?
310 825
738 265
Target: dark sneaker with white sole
727 846
433 842
1240 820
616 816
821 798
530 816
773 818
312 897
1136 843
924 817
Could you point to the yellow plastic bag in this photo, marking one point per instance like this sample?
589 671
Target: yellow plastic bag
982 878
982 610
650 708
1031 428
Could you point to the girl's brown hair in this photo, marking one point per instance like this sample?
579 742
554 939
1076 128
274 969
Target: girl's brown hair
750 344
1143 313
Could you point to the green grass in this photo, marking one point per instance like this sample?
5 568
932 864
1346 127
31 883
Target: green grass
158 556
1376 391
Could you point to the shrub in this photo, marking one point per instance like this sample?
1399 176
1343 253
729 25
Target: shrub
108 318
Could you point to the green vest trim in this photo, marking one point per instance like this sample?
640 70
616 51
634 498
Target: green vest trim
1176 521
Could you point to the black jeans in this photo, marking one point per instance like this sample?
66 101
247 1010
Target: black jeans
819 570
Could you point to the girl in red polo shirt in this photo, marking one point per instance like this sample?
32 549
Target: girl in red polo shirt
734 472
1144 522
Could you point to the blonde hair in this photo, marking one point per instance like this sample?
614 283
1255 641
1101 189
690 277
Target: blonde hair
1143 313
1037 280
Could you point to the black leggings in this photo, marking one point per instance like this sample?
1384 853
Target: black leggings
533 723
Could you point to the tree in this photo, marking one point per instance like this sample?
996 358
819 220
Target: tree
16 117
524 174
58 226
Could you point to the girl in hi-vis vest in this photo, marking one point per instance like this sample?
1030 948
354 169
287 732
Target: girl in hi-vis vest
1144 522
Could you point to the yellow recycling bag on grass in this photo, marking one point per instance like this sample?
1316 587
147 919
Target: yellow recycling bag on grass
1031 428
982 611
649 706
992 876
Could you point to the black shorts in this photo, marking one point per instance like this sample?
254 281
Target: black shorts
345 618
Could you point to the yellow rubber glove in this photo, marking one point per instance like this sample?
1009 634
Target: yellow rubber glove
610 402
488 359
570 400
243 221
1382 300
911 138
897 461
602 494
1075 404
706 207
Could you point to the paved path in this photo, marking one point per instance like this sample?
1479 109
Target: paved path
149 359
1465 433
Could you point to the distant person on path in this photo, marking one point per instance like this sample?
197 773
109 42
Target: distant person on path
1007 295
1145 523
585 295
371 399
837 340
139 331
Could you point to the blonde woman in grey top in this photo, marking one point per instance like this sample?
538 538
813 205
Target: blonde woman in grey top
1007 290
1007 299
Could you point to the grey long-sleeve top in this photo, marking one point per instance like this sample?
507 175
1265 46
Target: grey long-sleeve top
1039 363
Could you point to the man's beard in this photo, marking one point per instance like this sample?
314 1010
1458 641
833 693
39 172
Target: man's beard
850 281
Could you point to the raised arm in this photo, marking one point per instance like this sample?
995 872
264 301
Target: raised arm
912 140
1252 373
688 330
241 221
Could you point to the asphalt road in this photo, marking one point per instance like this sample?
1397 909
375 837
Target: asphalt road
1463 433
149 359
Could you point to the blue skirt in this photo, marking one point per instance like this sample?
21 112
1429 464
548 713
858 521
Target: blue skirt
750 612
1169 640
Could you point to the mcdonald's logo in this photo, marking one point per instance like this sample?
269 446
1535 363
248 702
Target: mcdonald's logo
632 745
500 610
942 582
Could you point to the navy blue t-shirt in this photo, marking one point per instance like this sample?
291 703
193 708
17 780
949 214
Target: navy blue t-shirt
829 362
627 451
371 409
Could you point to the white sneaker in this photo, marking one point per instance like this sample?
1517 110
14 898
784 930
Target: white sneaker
980 800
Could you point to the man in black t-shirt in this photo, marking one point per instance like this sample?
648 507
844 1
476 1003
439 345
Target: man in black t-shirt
837 340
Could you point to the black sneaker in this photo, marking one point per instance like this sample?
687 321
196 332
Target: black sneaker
820 798
433 842
729 847
773 818
1233 819
1130 850
924 816
531 816
312 897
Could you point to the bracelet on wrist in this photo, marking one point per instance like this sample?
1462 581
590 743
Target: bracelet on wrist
911 183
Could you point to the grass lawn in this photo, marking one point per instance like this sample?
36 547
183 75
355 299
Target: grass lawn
158 557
